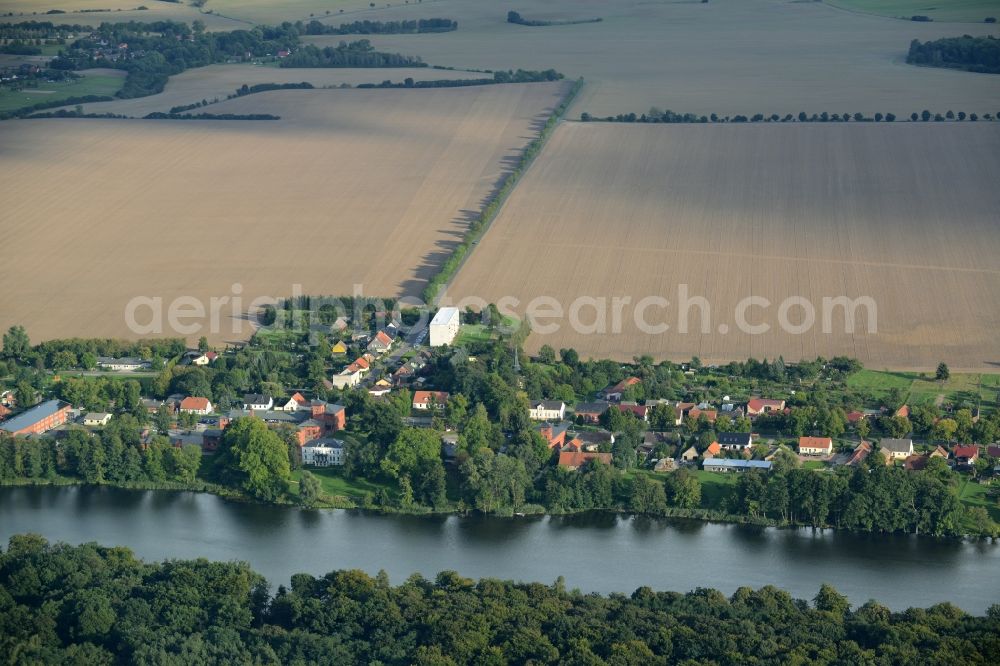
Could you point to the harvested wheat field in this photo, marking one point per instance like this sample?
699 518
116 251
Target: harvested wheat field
368 187
219 81
905 214
95 12
726 56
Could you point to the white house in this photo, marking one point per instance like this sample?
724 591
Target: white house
257 402
323 452
896 449
547 410
348 378
195 405
96 419
815 446
122 364
292 404
444 327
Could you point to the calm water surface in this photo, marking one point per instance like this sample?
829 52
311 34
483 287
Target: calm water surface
598 552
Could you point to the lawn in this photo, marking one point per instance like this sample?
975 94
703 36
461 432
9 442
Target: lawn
880 382
716 489
974 494
336 485
924 389
95 84
950 10
473 333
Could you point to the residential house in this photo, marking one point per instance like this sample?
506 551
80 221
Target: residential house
380 344
255 402
96 419
574 460
122 364
615 393
939 452
681 410
915 463
590 412
854 417
735 441
696 413
332 416
8 399
641 412
690 454
152 406
993 450
726 465
194 405
353 374
554 434
430 399
338 349
323 452
758 406
37 420
712 450
861 451
293 403
444 327
589 441
815 446
547 410
198 358
966 455
380 388
896 449
903 412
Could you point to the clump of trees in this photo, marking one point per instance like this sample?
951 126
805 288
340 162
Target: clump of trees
115 608
348 54
973 54
516 18
382 27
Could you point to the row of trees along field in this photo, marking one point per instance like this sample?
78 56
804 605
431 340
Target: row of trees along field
101 605
973 54
656 116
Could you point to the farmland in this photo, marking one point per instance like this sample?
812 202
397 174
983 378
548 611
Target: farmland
902 213
726 56
973 11
94 12
368 187
94 82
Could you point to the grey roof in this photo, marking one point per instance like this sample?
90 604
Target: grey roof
897 445
549 404
734 438
737 464
327 442
32 416
256 399
108 360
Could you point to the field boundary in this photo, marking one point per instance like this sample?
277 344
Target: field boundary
438 285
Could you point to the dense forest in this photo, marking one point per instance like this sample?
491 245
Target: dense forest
101 605
973 54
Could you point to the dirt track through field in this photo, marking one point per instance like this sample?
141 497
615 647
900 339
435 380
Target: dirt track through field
903 213
369 187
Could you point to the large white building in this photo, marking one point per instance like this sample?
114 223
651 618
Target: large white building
444 327
323 452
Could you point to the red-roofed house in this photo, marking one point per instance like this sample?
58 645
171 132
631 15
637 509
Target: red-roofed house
993 450
193 405
709 414
856 416
713 450
554 435
381 343
641 412
815 446
430 399
758 406
574 460
615 392
862 451
903 412
966 455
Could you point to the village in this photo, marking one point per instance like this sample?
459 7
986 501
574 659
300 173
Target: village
721 436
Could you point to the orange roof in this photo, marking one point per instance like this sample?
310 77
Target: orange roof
815 442
4 412
709 414
579 458
382 338
196 404
427 397
903 411
299 398
713 449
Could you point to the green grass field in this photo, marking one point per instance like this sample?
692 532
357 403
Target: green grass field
98 84
922 390
944 10
336 485
471 333
716 489
975 494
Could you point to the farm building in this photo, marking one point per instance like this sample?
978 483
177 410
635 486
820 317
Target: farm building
726 465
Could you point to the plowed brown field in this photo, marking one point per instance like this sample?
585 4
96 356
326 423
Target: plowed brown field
905 214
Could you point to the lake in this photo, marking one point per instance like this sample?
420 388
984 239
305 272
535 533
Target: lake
599 552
